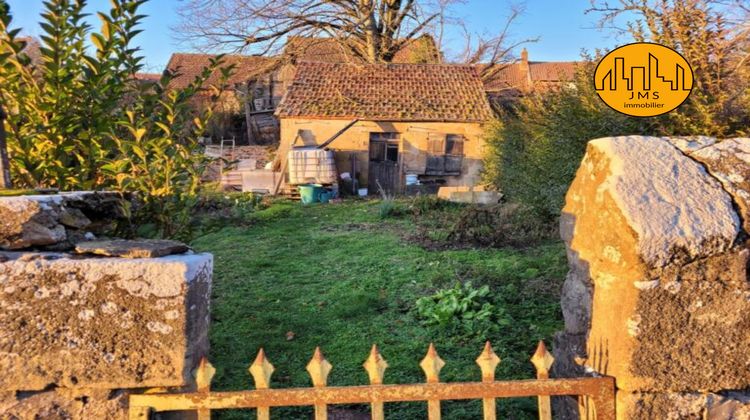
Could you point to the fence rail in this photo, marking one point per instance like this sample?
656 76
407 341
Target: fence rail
600 390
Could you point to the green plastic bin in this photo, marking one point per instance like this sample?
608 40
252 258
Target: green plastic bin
310 193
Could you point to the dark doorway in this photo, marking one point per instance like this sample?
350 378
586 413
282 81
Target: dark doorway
384 160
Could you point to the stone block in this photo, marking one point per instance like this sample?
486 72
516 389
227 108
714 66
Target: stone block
66 404
658 283
129 248
102 323
475 197
683 406
729 162
691 328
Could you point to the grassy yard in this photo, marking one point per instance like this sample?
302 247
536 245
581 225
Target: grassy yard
339 277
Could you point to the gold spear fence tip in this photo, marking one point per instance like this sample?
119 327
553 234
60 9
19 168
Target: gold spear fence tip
375 366
432 364
319 368
261 370
203 374
488 362
542 360
601 390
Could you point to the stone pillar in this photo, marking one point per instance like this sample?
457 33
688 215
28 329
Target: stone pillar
81 330
658 295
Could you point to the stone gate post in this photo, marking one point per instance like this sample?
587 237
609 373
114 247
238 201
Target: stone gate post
658 294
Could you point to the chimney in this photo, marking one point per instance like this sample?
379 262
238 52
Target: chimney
525 67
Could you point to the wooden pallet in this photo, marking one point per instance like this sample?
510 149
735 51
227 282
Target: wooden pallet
291 192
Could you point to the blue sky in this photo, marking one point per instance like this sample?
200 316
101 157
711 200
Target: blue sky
561 25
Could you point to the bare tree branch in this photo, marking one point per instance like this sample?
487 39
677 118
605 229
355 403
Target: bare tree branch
374 29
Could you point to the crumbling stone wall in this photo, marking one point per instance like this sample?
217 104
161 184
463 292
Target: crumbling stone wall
658 293
80 332
56 222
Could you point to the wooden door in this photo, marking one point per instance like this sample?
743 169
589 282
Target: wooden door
384 170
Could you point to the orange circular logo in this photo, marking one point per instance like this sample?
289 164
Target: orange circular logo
643 79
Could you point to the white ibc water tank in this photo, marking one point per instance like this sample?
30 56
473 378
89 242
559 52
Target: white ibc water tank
311 166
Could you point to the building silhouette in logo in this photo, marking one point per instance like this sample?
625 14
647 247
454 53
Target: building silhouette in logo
641 77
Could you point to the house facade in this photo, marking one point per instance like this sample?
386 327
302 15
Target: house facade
400 121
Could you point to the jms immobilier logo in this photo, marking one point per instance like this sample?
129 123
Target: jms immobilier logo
643 79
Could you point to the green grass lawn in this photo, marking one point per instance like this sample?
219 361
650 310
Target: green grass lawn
339 277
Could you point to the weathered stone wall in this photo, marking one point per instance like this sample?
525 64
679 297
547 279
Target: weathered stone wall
658 293
57 222
79 332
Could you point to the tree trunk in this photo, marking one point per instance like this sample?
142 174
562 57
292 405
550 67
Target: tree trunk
372 34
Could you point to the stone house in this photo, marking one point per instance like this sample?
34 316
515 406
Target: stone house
391 121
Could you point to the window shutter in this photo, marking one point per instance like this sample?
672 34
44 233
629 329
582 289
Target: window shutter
436 144
454 145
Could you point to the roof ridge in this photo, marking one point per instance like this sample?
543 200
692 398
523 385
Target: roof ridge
217 54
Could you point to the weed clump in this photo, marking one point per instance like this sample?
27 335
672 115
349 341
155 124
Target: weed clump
462 309
499 225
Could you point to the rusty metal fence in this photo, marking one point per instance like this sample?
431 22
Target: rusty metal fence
600 391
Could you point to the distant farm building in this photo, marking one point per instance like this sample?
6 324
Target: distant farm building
255 89
507 82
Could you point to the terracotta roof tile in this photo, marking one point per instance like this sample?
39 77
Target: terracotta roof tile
504 77
386 92
553 71
189 66
148 77
541 74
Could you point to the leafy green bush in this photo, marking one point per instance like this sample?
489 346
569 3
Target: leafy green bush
536 147
535 150
463 308
80 119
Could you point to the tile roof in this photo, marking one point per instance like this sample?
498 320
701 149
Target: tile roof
540 74
328 50
386 92
504 77
148 77
553 71
189 66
